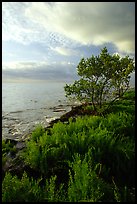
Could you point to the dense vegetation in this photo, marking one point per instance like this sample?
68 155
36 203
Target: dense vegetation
89 158
102 78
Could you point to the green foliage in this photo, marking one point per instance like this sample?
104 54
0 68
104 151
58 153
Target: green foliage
120 123
78 184
91 159
32 154
126 103
37 133
54 194
16 190
130 95
51 188
103 77
103 136
85 184
7 147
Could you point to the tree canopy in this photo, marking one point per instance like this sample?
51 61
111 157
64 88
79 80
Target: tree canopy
104 77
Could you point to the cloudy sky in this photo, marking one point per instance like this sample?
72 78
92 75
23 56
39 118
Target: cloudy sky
46 40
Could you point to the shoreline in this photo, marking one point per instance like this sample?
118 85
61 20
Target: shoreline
19 144
17 129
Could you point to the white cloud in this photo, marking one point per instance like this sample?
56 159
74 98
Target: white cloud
64 51
23 65
89 23
42 70
39 70
82 22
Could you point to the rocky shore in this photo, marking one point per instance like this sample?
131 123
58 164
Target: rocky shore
17 125
13 163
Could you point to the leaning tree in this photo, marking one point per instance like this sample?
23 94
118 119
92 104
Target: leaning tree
102 78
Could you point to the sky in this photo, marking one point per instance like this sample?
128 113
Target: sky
46 40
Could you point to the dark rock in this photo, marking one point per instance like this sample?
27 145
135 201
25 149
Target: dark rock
7 165
60 105
12 141
73 113
20 145
53 122
17 168
59 110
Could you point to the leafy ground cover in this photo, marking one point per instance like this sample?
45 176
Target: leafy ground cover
89 158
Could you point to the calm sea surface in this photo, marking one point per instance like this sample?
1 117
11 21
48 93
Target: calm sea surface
25 105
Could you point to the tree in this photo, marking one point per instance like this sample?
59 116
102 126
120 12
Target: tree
103 77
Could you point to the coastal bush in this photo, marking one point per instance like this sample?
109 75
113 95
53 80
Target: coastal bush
126 103
103 77
129 95
7 147
120 123
31 154
91 158
123 106
64 139
87 159
115 155
29 190
90 173
54 193
20 190
105 136
39 130
84 184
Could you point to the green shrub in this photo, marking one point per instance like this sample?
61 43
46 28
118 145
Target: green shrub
39 130
120 123
103 135
29 190
85 185
107 142
16 190
129 95
54 194
31 154
116 155
91 159
8 147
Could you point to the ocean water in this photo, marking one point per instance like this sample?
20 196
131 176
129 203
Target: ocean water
25 105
